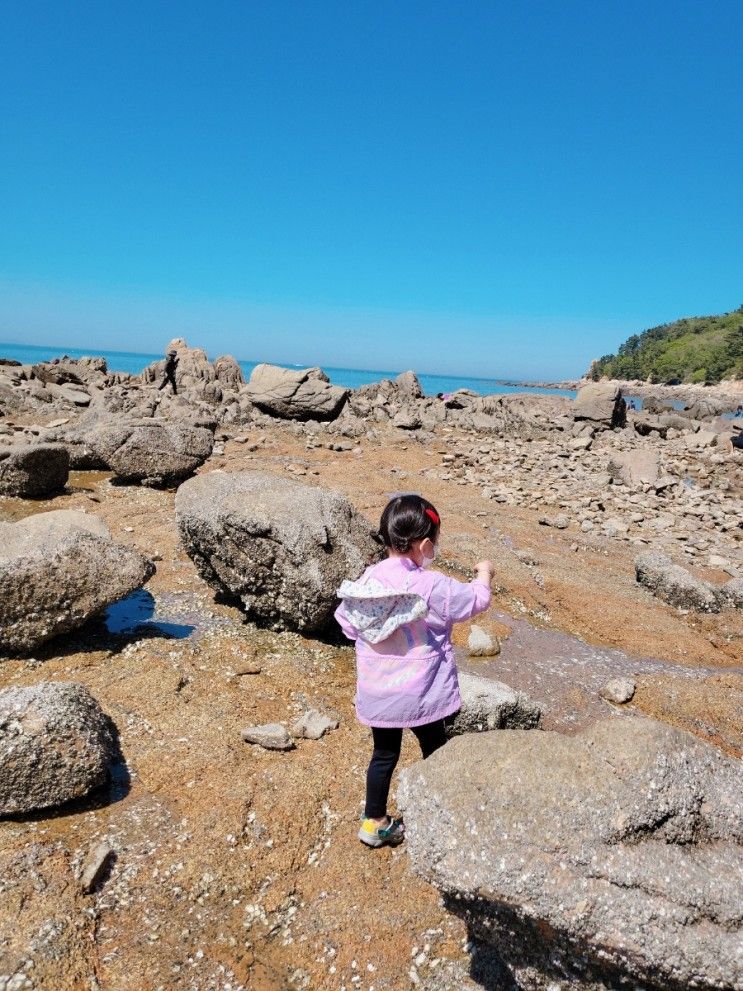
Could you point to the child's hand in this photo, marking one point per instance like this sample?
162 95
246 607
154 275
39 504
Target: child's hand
484 571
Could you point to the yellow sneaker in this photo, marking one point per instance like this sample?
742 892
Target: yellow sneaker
375 835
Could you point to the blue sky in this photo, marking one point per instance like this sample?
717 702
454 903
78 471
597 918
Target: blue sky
483 188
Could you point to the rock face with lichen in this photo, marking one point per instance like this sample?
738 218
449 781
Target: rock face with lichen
56 744
57 570
33 470
297 395
604 860
674 584
282 548
153 450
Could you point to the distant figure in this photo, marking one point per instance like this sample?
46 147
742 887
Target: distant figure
632 404
171 363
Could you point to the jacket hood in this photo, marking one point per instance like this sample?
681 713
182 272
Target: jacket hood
376 611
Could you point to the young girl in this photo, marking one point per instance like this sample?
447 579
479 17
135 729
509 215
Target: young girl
400 616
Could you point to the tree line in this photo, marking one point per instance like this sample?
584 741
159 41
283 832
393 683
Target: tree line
695 349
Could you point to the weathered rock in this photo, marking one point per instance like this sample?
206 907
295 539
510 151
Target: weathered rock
490 705
674 584
602 403
639 467
481 644
510 415
70 394
57 570
279 546
647 424
70 371
560 521
152 450
228 372
312 725
731 593
270 736
704 438
406 419
410 385
56 744
619 690
305 394
705 409
33 470
76 438
604 860
94 866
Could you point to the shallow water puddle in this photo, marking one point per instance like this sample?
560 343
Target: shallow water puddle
175 616
564 673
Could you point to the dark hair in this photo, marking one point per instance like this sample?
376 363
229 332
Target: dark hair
407 518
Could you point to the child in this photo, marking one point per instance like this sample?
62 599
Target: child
400 616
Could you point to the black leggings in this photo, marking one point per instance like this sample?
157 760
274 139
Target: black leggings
387 743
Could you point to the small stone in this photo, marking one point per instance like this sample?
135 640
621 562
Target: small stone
94 865
312 725
561 522
248 667
270 736
481 644
619 690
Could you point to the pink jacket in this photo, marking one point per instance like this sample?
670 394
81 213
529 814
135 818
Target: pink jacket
408 678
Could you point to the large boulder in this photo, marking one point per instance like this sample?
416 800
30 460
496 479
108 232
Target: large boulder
639 467
409 383
515 414
56 744
70 371
705 408
489 705
602 404
153 450
57 570
604 860
674 584
228 372
305 394
282 548
33 470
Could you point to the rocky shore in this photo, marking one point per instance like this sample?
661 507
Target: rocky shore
180 767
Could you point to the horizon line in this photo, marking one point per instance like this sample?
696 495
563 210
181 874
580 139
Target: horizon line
510 380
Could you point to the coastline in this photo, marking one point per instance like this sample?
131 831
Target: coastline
727 391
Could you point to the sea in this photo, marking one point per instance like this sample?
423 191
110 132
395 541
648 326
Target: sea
350 378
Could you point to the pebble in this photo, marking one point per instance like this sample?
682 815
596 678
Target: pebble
270 736
619 690
481 644
94 865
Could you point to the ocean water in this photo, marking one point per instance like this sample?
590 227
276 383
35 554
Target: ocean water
351 378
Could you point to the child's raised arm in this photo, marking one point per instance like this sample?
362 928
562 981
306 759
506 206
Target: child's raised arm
459 601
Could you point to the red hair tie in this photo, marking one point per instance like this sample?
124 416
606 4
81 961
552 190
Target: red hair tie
434 516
